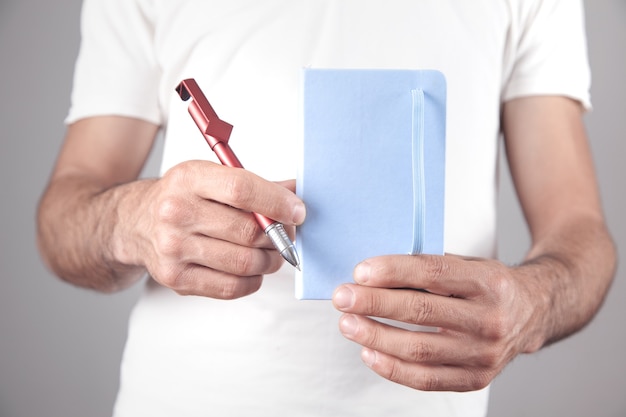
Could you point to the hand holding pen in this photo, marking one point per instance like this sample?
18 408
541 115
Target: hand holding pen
217 133
196 233
192 228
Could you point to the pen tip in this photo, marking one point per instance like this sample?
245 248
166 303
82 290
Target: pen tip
291 256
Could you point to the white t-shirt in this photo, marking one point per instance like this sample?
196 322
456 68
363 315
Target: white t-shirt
269 354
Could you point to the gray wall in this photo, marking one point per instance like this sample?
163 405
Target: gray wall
60 346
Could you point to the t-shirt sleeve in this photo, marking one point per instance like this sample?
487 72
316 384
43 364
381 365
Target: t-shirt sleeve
550 51
116 71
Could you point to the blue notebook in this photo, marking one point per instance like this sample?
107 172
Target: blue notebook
371 173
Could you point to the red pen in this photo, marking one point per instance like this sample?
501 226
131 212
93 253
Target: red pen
217 133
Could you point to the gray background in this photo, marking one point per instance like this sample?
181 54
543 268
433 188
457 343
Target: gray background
60 346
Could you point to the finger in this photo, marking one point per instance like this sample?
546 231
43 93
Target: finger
432 348
213 219
244 190
288 184
227 223
202 281
236 226
447 275
222 255
409 306
426 377
210 218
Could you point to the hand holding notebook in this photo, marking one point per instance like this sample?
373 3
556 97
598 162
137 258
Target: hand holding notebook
372 171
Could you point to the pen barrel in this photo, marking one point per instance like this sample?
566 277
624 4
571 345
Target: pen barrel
281 241
273 229
278 236
264 222
226 155
228 158
217 132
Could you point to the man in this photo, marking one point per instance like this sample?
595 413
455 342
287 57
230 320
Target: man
245 345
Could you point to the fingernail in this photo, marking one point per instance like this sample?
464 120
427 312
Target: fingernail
348 325
343 297
362 272
299 213
368 356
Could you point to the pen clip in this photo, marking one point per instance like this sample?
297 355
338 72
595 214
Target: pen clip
214 129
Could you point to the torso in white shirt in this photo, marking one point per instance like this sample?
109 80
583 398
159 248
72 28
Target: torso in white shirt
269 354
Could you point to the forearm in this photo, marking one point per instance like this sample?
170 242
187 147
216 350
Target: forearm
567 272
77 232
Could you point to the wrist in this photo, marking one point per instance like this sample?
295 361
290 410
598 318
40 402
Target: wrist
537 303
128 231
545 279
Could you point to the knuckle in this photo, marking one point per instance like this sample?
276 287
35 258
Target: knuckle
239 287
436 267
179 174
369 333
238 189
499 286
393 372
374 303
170 210
423 379
230 290
479 381
249 232
421 309
429 381
419 350
168 244
172 277
242 262
491 359
496 327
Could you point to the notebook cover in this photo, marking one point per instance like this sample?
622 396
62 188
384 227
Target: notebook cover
371 188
